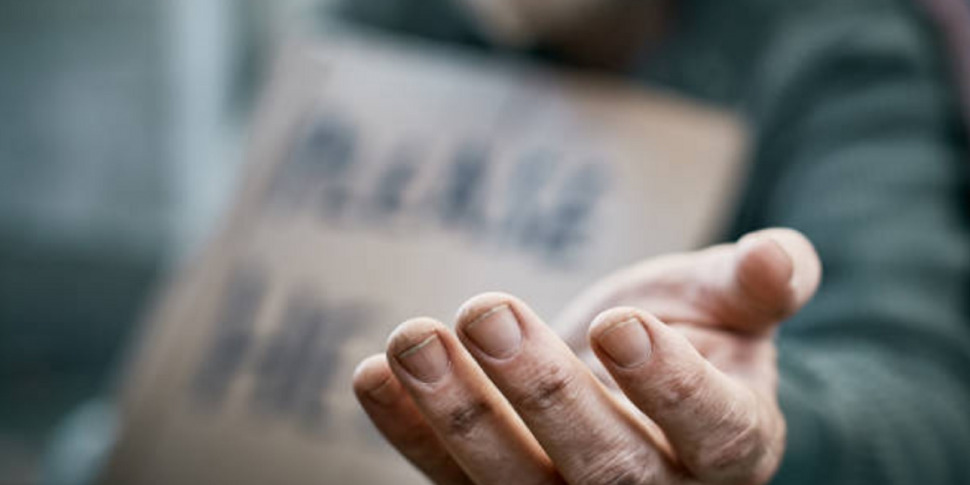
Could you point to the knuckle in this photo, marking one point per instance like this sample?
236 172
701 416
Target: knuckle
551 387
464 419
737 451
680 386
621 469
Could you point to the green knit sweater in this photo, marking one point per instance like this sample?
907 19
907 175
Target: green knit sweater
858 144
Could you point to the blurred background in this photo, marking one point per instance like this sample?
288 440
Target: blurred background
121 141
119 144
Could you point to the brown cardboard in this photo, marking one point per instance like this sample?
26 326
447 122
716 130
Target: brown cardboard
385 181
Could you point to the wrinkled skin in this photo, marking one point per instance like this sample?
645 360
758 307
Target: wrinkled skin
594 33
668 376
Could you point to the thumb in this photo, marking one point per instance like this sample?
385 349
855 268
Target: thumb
748 286
771 274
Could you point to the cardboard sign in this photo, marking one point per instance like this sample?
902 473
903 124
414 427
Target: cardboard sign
388 181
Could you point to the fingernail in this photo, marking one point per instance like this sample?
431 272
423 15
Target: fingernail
371 380
427 360
496 332
383 393
626 343
784 258
777 256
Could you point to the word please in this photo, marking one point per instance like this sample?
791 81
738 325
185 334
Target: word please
532 200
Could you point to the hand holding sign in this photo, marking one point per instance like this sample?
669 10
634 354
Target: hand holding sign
502 399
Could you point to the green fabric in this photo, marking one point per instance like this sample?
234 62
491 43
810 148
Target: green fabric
858 143
859 146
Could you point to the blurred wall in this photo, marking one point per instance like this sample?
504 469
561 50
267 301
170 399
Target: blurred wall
121 135
84 201
105 104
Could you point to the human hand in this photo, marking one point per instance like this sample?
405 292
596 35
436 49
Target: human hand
519 22
596 32
690 373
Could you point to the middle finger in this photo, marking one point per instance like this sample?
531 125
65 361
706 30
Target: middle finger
590 437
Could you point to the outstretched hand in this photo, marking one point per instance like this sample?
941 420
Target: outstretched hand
675 380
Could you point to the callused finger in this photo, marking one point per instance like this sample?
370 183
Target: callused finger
722 431
397 418
470 417
589 436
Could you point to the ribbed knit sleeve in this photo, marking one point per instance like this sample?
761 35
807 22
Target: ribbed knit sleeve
860 146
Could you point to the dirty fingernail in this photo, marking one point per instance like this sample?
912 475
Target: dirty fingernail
496 332
626 343
427 360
